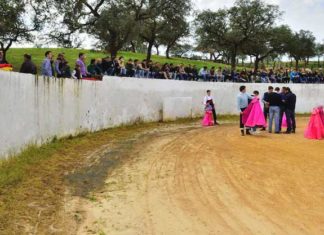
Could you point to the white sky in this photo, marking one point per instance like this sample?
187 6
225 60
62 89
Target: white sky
298 14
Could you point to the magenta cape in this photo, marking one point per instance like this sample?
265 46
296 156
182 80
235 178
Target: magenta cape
284 121
253 114
208 119
315 128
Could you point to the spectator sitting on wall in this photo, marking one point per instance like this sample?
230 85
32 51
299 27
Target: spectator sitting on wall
81 63
212 74
66 70
110 66
121 63
104 65
94 68
182 73
130 68
77 72
203 73
58 65
47 69
28 66
2 59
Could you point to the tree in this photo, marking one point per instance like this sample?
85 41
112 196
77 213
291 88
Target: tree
175 28
13 22
179 50
319 51
271 41
231 28
112 22
301 46
114 28
161 25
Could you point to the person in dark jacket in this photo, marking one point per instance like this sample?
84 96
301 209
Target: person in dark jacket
28 66
274 102
290 105
266 105
2 59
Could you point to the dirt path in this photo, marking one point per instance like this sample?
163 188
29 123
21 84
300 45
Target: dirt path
212 181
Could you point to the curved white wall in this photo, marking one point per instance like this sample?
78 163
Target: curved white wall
35 110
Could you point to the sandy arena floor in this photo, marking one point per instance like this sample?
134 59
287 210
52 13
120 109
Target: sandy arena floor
213 181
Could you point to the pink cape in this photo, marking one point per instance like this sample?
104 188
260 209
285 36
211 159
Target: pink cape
208 119
284 121
253 114
315 128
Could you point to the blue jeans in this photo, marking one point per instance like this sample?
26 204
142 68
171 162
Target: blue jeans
274 113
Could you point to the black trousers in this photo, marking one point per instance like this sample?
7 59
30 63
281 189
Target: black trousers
214 115
291 121
241 119
266 113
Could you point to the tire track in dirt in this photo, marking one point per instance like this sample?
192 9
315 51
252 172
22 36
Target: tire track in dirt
213 181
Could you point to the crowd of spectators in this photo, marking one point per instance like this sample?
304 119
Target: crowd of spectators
111 66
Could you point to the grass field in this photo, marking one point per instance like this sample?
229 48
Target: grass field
15 57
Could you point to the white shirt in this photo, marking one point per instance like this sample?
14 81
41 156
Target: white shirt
206 98
202 71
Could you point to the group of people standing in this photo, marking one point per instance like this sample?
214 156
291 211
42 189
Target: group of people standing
278 106
278 103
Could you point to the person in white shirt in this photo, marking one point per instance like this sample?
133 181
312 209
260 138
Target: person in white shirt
210 98
242 103
203 73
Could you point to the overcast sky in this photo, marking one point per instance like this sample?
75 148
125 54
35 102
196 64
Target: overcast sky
298 14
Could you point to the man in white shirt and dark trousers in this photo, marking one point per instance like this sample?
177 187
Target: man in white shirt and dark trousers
210 98
242 104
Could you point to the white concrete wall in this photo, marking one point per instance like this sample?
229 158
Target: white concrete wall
35 110
177 107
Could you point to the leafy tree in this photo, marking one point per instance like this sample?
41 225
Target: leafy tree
232 28
270 42
114 28
112 22
301 46
179 50
319 51
173 31
166 24
14 15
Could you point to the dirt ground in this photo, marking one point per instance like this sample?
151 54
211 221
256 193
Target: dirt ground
212 181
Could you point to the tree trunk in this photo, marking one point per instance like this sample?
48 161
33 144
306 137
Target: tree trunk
242 62
318 62
256 63
5 49
297 63
149 51
113 51
157 49
167 52
233 58
133 47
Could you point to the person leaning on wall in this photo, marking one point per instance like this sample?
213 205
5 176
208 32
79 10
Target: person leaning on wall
28 66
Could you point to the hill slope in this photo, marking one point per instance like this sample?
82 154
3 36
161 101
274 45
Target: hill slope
15 57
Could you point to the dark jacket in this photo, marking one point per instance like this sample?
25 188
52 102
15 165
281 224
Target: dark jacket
28 67
2 61
274 99
290 102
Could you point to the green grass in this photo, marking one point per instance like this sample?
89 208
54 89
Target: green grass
15 57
